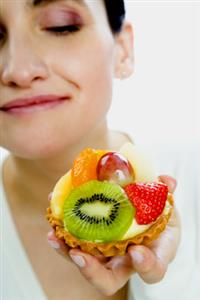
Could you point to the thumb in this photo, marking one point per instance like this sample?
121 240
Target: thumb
169 181
95 272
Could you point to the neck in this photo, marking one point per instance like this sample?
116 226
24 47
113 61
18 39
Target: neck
38 177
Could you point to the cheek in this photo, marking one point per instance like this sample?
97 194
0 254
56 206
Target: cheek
88 67
32 139
85 69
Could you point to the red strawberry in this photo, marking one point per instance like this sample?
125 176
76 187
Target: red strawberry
149 200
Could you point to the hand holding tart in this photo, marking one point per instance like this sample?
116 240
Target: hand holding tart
108 201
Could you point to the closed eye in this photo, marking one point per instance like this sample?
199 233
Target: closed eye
63 30
2 34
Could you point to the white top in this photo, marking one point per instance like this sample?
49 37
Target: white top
18 281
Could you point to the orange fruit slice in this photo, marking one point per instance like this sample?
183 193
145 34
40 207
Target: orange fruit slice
84 167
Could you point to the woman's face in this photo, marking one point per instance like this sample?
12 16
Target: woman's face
62 55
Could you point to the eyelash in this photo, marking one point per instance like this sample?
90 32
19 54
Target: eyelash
58 31
64 30
2 35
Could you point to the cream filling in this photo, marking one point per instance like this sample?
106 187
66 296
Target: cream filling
136 228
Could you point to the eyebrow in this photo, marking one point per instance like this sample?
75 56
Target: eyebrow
45 2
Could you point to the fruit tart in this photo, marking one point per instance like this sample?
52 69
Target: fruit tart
109 200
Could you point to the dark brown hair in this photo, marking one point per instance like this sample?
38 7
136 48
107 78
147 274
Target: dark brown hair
116 14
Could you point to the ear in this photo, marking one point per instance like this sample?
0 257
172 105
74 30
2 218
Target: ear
124 57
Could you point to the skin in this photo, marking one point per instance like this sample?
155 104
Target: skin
35 61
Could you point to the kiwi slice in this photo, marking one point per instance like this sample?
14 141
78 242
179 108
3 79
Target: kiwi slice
98 211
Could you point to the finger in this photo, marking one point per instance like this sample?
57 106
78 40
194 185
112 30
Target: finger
63 249
122 268
169 181
150 268
151 264
102 259
58 245
165 247
95 272
121 265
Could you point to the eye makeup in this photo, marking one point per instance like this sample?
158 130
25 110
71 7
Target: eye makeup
59 17
2 33
60 20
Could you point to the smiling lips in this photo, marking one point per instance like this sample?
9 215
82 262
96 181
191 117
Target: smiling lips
33 104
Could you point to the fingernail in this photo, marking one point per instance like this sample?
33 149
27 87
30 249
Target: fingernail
53 244
137 257
78 260
174 184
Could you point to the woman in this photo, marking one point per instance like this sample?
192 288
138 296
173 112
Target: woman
58 60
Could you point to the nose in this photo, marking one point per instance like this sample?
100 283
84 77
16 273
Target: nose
21 64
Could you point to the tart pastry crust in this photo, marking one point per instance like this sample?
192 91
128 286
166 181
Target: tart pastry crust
116 247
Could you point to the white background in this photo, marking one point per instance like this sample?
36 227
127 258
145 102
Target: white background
161 101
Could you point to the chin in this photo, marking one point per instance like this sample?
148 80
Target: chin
35 147
45 140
